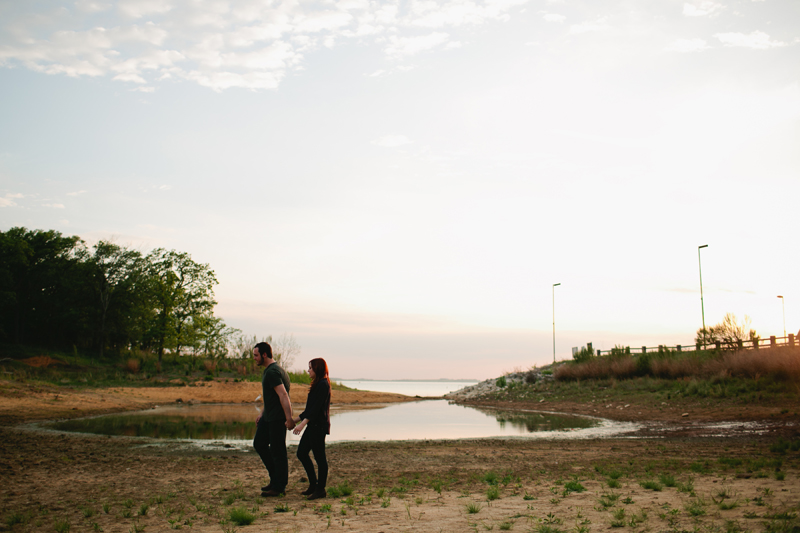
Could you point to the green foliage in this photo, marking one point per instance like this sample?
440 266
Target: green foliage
58 291
501 382
62 525
240 516
583 355
493 492
473 508
651 485
573 486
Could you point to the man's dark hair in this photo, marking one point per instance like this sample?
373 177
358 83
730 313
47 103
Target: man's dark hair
264 349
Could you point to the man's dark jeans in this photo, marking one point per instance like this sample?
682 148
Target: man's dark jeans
270 443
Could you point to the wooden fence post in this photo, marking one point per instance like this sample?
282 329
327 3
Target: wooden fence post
791 339
697 346
678 347
755 344
772 341
718 344
644 349
740 342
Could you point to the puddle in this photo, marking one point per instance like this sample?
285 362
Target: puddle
233 425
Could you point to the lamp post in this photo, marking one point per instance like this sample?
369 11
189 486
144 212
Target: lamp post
783 304
554 321
702 307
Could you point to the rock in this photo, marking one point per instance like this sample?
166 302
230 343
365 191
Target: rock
179 400
685 414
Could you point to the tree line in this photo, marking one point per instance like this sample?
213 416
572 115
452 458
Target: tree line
57 291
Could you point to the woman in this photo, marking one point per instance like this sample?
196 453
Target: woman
317 418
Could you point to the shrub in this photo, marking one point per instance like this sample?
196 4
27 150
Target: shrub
501 382
241 516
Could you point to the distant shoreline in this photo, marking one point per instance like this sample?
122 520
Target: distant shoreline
442 380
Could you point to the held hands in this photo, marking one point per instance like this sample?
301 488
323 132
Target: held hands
300 427
290 424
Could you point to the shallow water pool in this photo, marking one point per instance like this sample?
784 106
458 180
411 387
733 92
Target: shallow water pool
432 419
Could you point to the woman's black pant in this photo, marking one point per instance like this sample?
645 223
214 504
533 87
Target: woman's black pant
313 440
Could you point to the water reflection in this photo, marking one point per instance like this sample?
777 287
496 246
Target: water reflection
436 419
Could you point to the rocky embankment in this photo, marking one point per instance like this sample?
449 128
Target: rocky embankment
486 387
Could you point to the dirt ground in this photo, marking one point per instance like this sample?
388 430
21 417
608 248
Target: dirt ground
64 482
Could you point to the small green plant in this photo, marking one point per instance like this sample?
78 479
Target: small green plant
380 492
136 528
780 476
628 500
386 502
613 483
551 519
493 493
505 526
618 518
473 508
528 497
668 480
127 513
96 527
240 516
727 506
345 488
501 382
88 512
695 508
229 499
143 509
106 508
128 504
687 486
573 486
326 508
490 477
282 508
651 485
15 518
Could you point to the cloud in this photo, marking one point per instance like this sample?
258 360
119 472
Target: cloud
7 202
757 40
54 206
76 193
223 44
585 27
701 9
409 46
15 195
554 17
687 45
392 141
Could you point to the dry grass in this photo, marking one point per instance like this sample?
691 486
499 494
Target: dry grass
132 366
781 364
210 365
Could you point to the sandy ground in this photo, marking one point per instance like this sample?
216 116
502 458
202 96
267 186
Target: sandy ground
51 480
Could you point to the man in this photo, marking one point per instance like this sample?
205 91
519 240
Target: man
271 425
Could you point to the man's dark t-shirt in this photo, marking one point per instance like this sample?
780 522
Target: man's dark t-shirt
273 376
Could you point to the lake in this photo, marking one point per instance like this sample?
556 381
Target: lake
234 424
409 388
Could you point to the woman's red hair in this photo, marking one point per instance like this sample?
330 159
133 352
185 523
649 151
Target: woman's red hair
320 368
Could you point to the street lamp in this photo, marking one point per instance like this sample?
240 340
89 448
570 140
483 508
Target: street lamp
702 308
783 304
554 321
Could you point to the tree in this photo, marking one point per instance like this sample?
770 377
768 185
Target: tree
43 281
729 333
284 350
117 270
182 289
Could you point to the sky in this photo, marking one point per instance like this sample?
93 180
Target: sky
399 184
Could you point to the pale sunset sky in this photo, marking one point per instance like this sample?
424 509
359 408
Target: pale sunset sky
400 183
